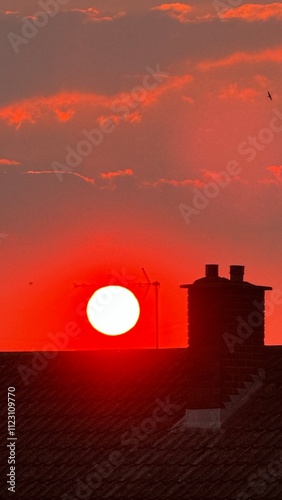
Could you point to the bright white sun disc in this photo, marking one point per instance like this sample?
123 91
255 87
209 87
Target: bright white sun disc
113 310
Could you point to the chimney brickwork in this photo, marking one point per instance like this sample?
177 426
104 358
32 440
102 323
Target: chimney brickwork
226 332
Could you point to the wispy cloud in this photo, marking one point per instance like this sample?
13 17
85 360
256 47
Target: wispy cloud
269 55
6 161
62 105
275 177
243 94
65 104
254 12
52 172
205 178
11 13
172 182
96 15
188 99
276 170
130 117
118 173
218 176
179 11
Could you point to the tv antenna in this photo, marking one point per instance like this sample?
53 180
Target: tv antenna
77 285
155 284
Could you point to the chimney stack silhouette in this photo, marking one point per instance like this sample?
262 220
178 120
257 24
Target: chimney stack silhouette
225 332
237 274
211 271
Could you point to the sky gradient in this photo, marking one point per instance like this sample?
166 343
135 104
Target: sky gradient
135 134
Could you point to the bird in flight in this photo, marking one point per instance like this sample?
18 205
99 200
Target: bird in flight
269 95
75 285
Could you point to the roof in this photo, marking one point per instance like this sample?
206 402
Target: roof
117 413
212 279
218 281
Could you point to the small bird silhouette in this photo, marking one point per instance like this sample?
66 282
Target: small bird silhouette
75 285
269 95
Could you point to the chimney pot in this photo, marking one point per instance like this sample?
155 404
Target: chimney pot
212 270
237 274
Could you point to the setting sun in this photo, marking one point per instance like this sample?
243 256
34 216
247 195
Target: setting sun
113 310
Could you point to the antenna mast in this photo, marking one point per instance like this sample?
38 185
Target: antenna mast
156 284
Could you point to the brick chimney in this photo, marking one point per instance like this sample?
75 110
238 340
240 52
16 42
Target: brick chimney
226 333
236 274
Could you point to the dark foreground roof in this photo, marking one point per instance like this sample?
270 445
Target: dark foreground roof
108 425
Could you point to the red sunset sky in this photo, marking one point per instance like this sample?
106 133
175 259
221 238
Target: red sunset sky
174 96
